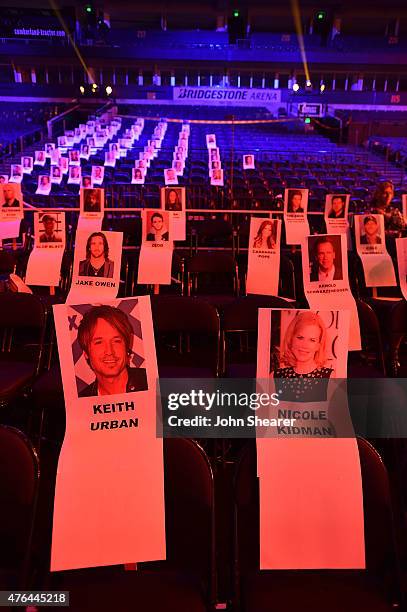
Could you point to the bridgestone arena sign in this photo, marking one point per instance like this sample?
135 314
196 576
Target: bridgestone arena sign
214 96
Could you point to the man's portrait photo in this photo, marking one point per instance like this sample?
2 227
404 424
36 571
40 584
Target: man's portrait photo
248 162
97 262
336 208
370 231
27 163
295 203
74 157
56 174
50 231
214 154
10 196
74 174
106 336
92 200
170 176
39 157
16 173
44 184
325 256
210 141
157 227
98 173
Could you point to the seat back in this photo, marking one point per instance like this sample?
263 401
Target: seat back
22 326
187 334
372 354
189 509
239 324
397 329
19 479
212 272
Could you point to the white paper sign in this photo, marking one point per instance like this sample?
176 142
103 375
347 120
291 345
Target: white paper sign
401 246
301 352
11 202
92 203
336 213
263 256
248 162
326 282
96 268
44 185
371 247
295 215
109 374
173 201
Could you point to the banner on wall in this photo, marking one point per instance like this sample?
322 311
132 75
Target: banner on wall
401 247
173 200
156 248
109 374
263 256
371 247
96 266
300 352
326 281
225 96
295 215
44 263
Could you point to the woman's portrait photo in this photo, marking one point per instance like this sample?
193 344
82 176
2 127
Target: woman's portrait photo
137 176
265 238
303 349
299 354
173 199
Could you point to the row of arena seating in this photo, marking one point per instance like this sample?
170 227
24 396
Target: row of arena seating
17 119
221 277
193 339
296 161
204 327
212 540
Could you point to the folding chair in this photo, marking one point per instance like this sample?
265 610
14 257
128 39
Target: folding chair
212 273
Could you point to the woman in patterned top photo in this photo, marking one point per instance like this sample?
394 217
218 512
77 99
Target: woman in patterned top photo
303 359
